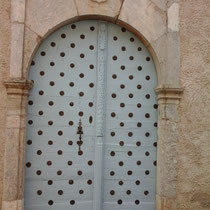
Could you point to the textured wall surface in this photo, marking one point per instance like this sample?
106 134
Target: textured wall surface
4 70
193 146
194 113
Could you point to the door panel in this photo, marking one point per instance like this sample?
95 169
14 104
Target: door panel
131 79
68 85
101 75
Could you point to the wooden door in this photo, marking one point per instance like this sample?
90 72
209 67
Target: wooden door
92 121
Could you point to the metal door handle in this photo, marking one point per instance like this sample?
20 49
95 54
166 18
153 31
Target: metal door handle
80 132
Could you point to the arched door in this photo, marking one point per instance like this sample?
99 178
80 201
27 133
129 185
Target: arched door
91 121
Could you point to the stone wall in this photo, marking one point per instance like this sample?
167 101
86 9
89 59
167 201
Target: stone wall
4 72
176 33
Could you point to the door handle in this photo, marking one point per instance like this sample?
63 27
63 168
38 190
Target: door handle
80 132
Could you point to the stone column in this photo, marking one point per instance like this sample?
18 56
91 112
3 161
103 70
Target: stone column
168 100
17 18
17 91
169 94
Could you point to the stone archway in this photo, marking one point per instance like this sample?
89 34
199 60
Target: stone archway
163 45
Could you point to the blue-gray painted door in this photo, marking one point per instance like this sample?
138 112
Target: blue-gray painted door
91 121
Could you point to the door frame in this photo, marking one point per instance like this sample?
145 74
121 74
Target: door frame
17 86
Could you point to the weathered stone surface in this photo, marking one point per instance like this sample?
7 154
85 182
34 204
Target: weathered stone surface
173 17
31 42
9 205
110 8
167 153
160 3
43 15
170 2
99 1
18 11
162 73
12 121
11 169
166 203
160 50
173 59
14 106
16 51
145 18
13 205
4 72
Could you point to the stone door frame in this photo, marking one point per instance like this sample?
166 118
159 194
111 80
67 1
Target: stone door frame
163 45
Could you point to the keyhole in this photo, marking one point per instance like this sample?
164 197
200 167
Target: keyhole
90 119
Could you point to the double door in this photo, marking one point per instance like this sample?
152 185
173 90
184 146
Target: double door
91 121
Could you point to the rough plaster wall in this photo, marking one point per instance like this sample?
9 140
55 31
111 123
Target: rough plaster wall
4 69
194 121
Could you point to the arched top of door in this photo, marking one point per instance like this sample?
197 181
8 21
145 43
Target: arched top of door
154 41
